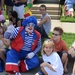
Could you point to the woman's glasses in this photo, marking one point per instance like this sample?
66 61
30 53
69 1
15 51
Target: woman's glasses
55 34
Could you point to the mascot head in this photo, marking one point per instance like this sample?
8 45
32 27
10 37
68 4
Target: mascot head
29 23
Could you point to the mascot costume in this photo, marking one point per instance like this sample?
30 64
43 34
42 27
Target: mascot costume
26 43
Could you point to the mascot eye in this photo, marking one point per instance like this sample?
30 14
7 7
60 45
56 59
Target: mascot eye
30 24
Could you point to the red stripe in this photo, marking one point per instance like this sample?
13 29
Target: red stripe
23 66
10 68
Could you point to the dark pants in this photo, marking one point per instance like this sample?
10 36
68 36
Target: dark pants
41 30
72 59
60 54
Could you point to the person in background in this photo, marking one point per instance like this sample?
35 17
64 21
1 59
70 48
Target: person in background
69 7
19 7
4 44
52 62
14 16
44 25
9 6
71 56
2 21
10 28
60 46
26 43
73 71
2 6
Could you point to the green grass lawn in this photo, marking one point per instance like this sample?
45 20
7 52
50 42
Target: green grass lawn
64 18
67 19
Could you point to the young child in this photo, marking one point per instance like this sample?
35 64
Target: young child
3 44
52 62
67 12
9 29
15 19
60 46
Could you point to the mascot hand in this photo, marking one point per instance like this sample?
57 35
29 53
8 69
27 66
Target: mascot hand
30 55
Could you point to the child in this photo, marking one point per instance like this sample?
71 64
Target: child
60 46
52 62
3 44
9 29
2 21
67 12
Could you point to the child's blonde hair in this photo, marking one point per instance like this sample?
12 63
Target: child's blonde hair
48 42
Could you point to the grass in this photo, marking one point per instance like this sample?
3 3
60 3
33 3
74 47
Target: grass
67 19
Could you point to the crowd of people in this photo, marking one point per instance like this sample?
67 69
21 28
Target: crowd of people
21 40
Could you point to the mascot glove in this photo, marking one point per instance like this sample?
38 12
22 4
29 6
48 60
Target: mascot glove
30 55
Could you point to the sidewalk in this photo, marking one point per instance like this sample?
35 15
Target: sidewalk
67 27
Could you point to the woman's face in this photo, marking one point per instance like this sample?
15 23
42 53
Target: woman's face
48 49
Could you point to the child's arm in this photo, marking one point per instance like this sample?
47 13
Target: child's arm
43 70
6 42
45 64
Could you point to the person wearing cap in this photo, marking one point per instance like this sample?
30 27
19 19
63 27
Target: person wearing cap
26 43
2 21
